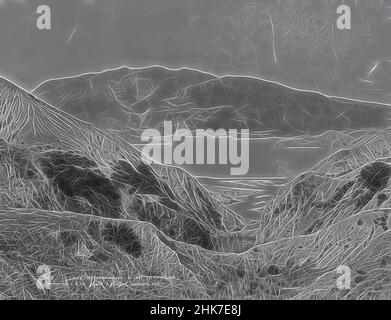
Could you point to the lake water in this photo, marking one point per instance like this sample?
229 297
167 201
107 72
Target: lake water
270 167
268 161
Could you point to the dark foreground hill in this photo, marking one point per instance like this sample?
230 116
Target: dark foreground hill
128 99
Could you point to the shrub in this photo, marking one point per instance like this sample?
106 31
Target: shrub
195 233
124 237
376 175
141 178
75 181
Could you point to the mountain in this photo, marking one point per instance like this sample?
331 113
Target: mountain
121 99
98 173
128 100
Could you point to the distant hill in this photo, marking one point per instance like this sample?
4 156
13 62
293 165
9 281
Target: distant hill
129 99
121 98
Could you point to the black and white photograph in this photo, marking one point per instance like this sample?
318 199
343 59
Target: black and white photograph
218 151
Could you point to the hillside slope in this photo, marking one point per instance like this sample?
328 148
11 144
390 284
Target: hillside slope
50 148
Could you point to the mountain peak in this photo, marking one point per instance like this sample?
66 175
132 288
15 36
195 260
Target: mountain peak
5 83
11 95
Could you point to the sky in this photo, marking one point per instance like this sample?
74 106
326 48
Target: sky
294 42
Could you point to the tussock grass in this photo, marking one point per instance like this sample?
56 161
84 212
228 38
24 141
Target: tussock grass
151 249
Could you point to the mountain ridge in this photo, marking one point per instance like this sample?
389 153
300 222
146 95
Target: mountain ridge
132 99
